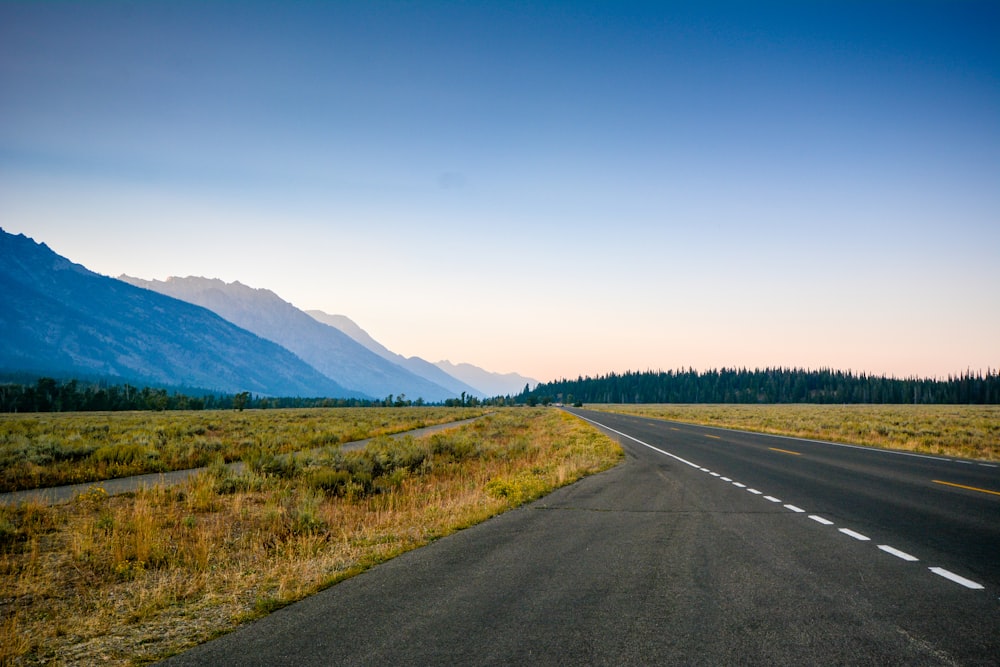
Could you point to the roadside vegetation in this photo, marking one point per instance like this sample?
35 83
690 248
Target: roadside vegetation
130 579
52 449
969 431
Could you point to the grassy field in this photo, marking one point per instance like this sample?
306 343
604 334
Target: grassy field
970 431
130 579
40 450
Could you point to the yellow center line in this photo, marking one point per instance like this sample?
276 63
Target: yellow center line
963 486
717 437
785 451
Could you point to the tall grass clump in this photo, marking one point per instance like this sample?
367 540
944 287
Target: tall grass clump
130 579
40 450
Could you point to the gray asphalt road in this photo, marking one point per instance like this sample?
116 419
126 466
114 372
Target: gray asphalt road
660 562
943 509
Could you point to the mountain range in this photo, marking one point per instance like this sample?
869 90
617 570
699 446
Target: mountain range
327 349
416 365
61 319
494 384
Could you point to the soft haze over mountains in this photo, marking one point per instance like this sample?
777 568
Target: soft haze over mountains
416 365
60 319
494 384
324 347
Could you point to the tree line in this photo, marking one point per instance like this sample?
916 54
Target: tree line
51 395
769 385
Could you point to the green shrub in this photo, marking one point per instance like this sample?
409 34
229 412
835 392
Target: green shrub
359 466
361 484
453 446
124 454
392 480
388 456
248 481
324 439
305 515
8 534
284 466
329 481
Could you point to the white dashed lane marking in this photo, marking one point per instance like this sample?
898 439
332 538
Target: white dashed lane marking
968 583
940 571
897 553
857 536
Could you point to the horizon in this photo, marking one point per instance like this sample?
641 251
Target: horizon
968 372
554 189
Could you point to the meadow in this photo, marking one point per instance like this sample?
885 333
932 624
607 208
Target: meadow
130 579
50 449
969 431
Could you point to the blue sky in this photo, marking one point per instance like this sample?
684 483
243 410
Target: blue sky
552 188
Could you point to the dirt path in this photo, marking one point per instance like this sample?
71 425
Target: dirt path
61 494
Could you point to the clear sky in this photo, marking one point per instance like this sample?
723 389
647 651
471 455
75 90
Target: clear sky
549 188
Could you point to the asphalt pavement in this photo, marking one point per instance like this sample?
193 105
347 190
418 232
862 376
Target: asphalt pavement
705 547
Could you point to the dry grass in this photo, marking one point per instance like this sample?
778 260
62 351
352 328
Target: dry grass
130 579
969 431
40 450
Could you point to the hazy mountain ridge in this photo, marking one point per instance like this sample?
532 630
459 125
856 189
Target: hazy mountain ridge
415 365
60 318
326 348
494 384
